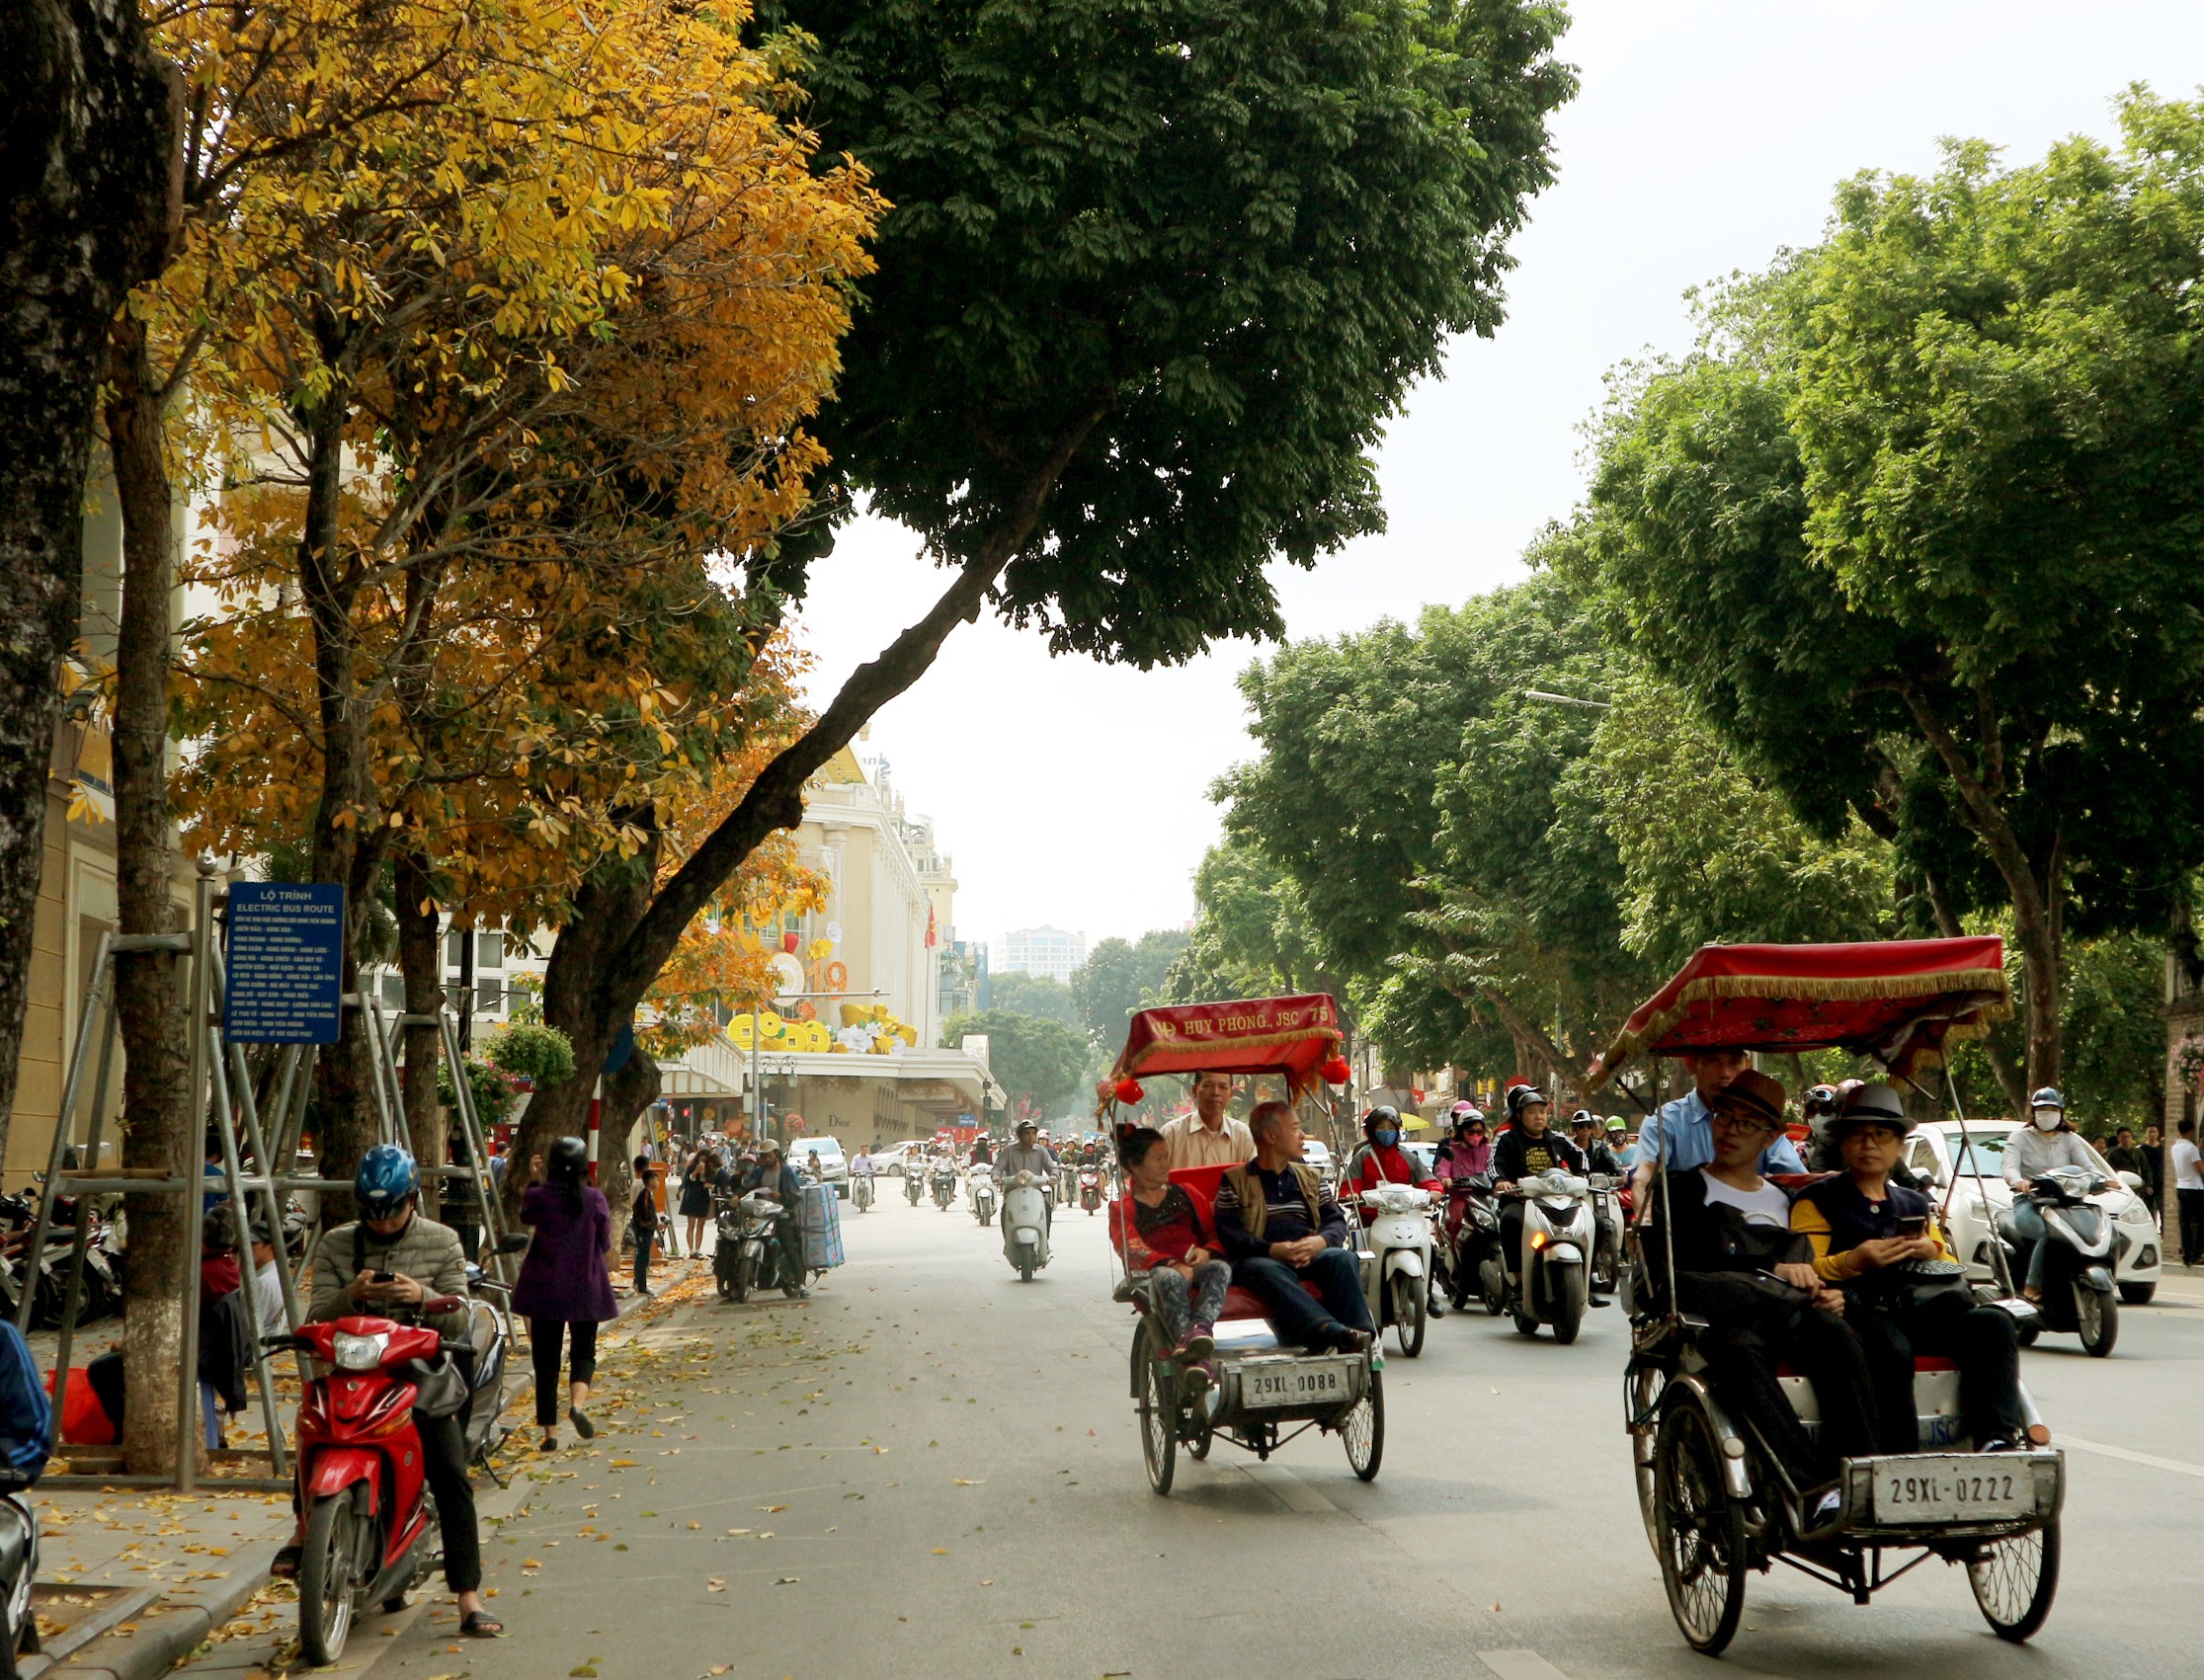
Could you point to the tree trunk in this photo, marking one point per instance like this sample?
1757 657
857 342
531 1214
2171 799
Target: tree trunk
421 961
1948 923
158 1126
87 124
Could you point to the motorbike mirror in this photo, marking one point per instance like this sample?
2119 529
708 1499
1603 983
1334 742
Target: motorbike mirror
512 1242
2133 1180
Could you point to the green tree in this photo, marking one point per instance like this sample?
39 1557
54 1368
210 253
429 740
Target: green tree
1252 936
1035 995
1120 976
1709 850
1915 528
1156 273
1453 867
1036 1062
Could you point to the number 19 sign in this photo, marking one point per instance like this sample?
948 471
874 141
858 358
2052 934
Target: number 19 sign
283 959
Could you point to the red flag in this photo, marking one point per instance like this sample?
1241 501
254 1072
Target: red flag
932 938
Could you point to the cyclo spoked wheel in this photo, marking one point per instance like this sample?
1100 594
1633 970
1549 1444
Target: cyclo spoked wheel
2015 1580
1159 1417
1700 1531
1363 1430
328 1578
1407 1312
1645 1390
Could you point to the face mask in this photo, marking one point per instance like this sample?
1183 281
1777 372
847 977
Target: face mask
1385 1139
2047 1119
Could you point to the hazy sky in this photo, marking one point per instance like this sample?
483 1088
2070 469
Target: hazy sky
1707 136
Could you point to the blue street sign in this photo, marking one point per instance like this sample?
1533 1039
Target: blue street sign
283 957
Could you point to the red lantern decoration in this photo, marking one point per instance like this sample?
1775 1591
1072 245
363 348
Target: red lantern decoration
1336 1072
790 941
1129 1091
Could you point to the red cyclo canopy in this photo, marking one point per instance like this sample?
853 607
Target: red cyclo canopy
1294 1036
1898 1001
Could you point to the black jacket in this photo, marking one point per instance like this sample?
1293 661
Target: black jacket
1724 1263
1517 1153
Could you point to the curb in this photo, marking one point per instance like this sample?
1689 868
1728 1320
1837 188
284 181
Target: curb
164 1634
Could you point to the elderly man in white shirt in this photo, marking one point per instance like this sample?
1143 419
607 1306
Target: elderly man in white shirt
1206 1137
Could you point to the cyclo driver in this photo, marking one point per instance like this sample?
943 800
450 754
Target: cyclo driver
390 1258
1527 1147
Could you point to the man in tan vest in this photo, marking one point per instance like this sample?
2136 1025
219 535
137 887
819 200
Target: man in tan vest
1281 1228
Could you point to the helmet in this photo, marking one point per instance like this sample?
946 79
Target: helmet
1583 1117
1871 1105
386 1180
567 1158
1819 1100
1466 1115
1384 1114
2048 1097
1520 1097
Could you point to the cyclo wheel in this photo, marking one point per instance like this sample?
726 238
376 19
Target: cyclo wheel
1362 1429
328 1568
1159 1415
1644 1391
2015 1580
1700 1531
1407 1312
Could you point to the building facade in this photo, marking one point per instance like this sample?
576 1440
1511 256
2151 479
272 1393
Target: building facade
1050 952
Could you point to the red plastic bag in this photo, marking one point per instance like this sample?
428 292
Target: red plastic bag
84 1421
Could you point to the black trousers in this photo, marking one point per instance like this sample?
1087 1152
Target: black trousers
2190 1204
1819 1346
1981 1341
643 1234
444 1460
546 1339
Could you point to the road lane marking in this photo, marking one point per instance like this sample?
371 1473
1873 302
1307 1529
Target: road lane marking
1297 1494
2132 1457
1519 1665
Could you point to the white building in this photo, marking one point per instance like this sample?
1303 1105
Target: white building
1050 952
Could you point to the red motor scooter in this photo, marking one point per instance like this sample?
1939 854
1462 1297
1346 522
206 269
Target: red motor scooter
361 1485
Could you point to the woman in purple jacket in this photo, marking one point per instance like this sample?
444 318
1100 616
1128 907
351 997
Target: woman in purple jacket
565 1290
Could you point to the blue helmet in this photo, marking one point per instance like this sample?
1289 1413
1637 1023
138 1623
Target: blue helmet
386 1180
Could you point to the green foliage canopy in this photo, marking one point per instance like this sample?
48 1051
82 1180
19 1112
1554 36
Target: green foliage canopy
1120 976
1036 1062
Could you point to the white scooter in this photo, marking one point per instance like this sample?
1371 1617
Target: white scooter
1396 1257
860 1190
982 1187
1551 1274
1025 1222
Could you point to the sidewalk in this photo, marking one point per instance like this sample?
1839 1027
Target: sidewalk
130 1583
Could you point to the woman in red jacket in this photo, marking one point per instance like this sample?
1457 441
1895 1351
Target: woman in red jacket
1381 1159
1163 1230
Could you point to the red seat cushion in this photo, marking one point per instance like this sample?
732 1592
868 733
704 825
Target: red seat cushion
1244 1304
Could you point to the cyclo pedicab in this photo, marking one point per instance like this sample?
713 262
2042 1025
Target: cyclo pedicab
1714 1495
1266 1394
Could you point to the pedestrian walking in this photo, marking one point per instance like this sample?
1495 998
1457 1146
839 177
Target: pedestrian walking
643 1221
565 1287
696 1197
2189 1192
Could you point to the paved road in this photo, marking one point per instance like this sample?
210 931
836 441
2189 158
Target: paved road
932 1470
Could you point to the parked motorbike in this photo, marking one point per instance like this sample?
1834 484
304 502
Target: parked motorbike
1547 1281
983 1195
371 1521
18 1567
2078 1287
1396 1257
860 1191
747 1257
1090 1189
944 1178
1025 1223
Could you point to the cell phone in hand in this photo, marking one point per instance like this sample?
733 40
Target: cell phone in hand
384 1277
1913 1224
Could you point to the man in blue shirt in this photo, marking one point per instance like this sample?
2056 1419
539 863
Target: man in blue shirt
1680 1134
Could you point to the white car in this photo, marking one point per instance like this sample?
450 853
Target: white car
1935 1148
822 1157
1319 1155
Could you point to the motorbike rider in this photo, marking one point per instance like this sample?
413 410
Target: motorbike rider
1463 1157
2047 1141
1817 1108
1028 1156
390 1258
1585 1132
777 1182
1529 1145
1382 1161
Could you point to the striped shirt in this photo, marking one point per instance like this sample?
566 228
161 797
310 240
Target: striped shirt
1285 1215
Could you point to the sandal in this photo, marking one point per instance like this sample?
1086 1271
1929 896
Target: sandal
582 1425
481 1625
